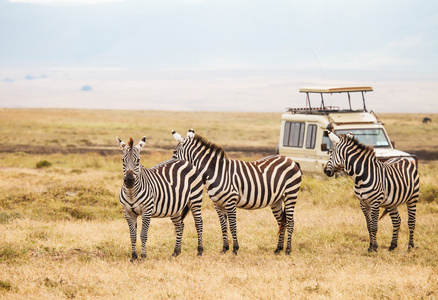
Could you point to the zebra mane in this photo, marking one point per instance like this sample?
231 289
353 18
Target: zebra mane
131 142
365 148
215 148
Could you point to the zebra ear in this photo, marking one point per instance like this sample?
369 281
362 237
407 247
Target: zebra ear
141 143
177 136
191 134
350 134
121 144
334 138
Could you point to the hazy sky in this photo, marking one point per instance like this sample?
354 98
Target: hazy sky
215 54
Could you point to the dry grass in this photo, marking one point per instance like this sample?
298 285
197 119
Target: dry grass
409 133
77 128
63 235
71 129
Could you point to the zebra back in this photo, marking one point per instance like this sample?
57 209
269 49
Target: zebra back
256 184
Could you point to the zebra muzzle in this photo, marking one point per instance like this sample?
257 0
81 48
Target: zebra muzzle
129 179
328 172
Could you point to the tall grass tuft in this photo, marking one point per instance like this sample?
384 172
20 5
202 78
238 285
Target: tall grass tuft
65 202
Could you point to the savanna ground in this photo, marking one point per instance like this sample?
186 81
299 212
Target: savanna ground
63 235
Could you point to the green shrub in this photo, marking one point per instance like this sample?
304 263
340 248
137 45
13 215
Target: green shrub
5 285
43 164
429 193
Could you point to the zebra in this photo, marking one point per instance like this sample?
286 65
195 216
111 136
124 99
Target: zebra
377 184
169 189
271 181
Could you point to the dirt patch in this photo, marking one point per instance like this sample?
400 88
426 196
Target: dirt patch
425 154
111 150
105 150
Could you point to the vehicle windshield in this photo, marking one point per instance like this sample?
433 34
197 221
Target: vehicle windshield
375 137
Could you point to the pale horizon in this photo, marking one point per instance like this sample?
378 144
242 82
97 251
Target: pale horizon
215 55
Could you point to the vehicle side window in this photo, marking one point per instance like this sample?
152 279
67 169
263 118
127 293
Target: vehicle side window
326 140
311 136
293 134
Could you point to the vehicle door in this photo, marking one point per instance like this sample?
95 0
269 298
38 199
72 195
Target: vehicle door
299 142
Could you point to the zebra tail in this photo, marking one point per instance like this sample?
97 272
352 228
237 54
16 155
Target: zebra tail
385 212
282 224
185 212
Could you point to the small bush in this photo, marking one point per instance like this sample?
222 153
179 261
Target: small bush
6 217
43 164
5 285
429 193
78 213
9 253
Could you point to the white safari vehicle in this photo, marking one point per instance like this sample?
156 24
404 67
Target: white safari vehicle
304 131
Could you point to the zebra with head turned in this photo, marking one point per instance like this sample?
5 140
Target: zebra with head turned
377 184
272 181
169 189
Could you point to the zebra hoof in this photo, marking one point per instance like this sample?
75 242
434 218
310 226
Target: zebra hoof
134 257
411 246
287 252
176 253
278 250
372 249
143 256
200 250
392 247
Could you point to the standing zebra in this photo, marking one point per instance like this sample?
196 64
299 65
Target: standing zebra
169 189
377 184
272 181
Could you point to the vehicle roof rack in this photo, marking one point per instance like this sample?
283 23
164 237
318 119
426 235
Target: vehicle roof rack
336 90
325 109
313 109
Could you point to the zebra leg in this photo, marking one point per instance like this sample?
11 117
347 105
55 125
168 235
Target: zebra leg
196 212
280 216
289 208
132 223
145 222
373 226
231 212
412 209
179 228
224 227
366 211
395 217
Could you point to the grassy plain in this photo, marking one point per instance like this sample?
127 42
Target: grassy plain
63 235
66 130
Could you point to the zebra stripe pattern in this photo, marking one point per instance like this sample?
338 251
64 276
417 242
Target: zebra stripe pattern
169 189
377 184
272 181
